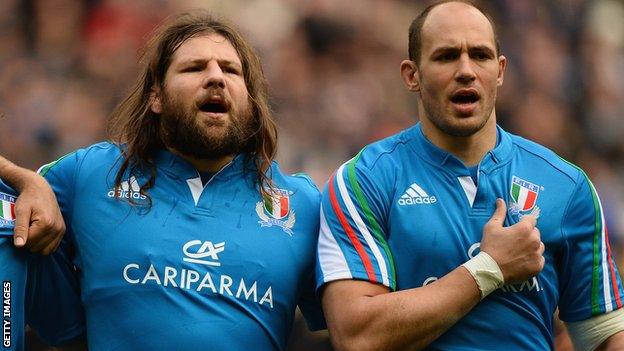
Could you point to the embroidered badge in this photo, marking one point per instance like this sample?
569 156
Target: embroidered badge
7 210
524 197
275 210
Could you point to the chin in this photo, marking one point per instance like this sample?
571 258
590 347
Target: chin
463 126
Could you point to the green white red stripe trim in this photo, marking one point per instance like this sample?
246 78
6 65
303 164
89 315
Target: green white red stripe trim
359 248
357 234
603 260
332 261
603 266
355 216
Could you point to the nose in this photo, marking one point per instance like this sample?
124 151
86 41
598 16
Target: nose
465 72
214 77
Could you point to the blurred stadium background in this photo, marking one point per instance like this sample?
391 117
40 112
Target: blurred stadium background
333 69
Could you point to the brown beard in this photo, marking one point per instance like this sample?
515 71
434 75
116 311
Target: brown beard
182 131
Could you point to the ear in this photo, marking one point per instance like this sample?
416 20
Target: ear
155 100
502 65
409 73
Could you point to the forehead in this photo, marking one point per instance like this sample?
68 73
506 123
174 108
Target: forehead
454 24
206 47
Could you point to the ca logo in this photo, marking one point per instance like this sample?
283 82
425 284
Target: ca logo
206 250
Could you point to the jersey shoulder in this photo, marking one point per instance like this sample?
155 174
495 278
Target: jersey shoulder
298 183
103 151
547 161
97 153
385 153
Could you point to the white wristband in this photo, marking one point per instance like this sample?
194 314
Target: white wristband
485 272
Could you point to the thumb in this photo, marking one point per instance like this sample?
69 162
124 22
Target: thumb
498 218
22 222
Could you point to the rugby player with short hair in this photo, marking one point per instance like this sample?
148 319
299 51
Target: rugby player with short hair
185 233
409 257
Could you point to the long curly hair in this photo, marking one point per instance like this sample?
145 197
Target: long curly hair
137 129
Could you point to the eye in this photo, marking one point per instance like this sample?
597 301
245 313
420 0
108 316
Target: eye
231 70
192 69
446 57
482 55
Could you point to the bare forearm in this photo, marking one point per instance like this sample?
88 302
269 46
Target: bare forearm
14 175
408 319
614 342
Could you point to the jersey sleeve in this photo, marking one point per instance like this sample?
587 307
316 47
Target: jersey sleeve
590 282
352 237
310 306
308 302
14 263
61 174
54 308
13 273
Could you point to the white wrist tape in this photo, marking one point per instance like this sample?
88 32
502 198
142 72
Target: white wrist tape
590 333
485 272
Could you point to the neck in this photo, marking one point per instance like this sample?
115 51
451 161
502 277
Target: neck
205 165
470 149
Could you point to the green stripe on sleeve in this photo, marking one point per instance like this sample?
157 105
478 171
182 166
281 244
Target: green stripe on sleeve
595 293
376 228
45 168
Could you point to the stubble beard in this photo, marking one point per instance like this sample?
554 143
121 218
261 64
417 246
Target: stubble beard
448 123
184 132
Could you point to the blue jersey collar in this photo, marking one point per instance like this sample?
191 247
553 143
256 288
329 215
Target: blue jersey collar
178 167
439 157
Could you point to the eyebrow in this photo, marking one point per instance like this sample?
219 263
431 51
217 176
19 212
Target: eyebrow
201 61
477 48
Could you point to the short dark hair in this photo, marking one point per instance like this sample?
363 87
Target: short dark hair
415 30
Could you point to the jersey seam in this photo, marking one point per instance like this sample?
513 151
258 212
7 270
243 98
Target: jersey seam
571 316
563 220
332 277
385 152
543 158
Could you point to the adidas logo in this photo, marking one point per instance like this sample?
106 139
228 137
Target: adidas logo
129 189
415 195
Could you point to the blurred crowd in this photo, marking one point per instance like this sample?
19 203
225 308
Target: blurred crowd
333 71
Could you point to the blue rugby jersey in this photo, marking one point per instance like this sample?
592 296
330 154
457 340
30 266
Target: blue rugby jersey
206 267
13 271
404 213
37 290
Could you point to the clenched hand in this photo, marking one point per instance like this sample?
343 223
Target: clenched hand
39 224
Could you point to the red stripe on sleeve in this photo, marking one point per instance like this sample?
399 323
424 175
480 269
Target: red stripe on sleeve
616 292
350 232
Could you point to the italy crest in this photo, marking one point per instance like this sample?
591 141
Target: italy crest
275 210
7 210
523 196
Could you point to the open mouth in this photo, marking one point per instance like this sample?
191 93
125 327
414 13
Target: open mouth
214 106
465 96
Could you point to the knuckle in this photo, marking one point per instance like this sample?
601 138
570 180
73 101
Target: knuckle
20 228
525 227
20 208
46 222
59 228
